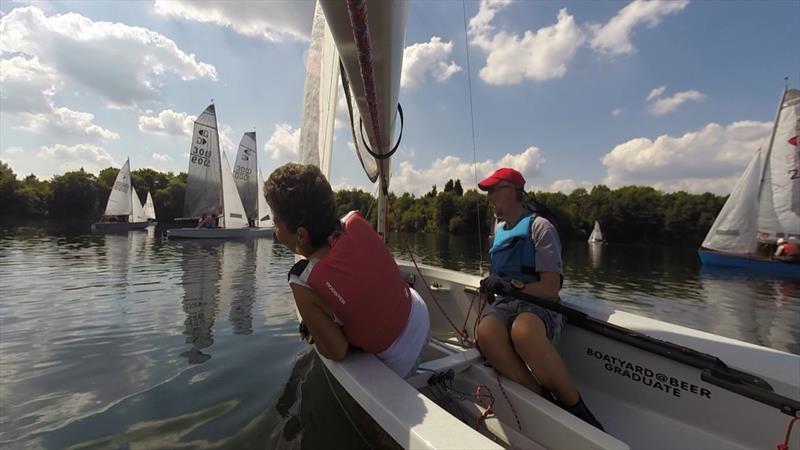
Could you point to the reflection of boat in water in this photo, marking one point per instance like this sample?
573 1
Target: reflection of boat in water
123 204
765 203
596 254
651 383
211 189
201 275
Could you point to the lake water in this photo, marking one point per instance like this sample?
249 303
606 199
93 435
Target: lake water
133 341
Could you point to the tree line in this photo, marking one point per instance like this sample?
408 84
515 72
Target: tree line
626 214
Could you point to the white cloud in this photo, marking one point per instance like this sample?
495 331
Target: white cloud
91 157
539 55
568 185
426 60
711 158
614 37
284 142
616 112
26 91
274 20
121 63
62 121
161 157
168 122
669 104
407 178
656 92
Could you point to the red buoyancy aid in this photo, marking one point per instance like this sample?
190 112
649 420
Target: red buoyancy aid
361 282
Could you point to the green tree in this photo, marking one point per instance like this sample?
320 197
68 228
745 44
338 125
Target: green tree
448 187
9 185
74 195
457 189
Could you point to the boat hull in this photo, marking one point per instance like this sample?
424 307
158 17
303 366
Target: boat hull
712 258
218 233
111 227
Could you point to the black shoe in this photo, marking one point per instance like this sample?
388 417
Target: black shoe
580 411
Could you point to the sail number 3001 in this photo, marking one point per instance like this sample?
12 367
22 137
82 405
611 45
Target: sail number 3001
201 155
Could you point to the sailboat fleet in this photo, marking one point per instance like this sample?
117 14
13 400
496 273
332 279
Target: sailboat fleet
652 384
214 192
123 210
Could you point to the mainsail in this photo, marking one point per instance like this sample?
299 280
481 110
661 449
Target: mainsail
319 97
149 207
119 201
204 181
245 174
264 219
597 234
765 203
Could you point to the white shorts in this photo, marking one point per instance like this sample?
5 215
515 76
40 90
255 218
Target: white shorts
403 356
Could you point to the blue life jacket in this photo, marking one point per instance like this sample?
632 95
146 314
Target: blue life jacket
513 253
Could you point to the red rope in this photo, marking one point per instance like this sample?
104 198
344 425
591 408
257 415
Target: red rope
489 409
785 444
508 400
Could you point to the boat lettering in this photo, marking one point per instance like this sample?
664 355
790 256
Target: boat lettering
640 374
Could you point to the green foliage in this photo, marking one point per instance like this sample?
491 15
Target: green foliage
627 214
73 195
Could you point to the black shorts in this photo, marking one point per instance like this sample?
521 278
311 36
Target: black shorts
507 309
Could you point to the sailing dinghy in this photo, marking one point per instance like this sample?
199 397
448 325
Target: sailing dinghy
597 234
210 187
123 204
150 210
652 384
250 186
765 203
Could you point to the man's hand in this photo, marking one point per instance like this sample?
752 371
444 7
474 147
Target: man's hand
493 284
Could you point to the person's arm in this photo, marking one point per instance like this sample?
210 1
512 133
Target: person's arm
328 336
547 287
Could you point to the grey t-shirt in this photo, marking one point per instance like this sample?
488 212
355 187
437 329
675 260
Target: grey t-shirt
548 246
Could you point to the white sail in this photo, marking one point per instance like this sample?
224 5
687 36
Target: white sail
597 234
319 97
245 174
204 181
779 198
233 211
264 216
119 200
734 229
149 207
137 213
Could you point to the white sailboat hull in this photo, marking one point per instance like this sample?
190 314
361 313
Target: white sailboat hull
643 399
219 233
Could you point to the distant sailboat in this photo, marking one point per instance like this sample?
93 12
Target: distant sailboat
122 202
250 185
150 209
597 233
765 203
210 187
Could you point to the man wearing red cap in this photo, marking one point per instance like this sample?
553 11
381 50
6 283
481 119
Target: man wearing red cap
518 337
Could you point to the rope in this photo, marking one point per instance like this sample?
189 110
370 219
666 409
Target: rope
474 147
508 400
785 444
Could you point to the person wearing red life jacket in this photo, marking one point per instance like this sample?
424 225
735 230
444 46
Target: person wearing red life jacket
348 288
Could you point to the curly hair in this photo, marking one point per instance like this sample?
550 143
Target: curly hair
300 196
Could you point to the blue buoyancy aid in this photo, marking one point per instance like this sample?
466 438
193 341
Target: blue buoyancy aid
513 253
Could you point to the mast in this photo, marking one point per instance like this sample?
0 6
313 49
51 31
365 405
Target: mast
767 156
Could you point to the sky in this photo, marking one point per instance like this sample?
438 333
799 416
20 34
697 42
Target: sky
674 94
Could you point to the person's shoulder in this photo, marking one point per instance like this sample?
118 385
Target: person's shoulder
540 223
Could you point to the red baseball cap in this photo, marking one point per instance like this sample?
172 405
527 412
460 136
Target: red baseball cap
502 174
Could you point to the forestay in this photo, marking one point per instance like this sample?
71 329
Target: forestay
204 181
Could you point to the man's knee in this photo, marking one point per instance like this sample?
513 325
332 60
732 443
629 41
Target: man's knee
491 331
527 329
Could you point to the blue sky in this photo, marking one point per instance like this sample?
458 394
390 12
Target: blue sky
676 94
